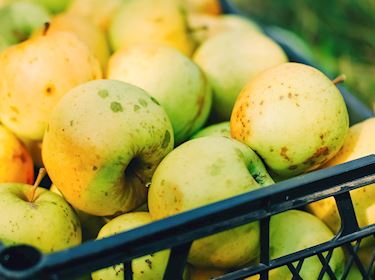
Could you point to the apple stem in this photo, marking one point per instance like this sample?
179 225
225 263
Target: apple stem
41 174
339 79
46 27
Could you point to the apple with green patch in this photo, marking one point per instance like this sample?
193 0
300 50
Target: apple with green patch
103 143
172 79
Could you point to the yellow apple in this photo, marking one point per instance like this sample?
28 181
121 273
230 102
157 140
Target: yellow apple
35 74
230 60
360 142
139 21
16 164
86 31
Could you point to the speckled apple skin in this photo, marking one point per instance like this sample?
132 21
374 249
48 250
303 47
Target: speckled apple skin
293 116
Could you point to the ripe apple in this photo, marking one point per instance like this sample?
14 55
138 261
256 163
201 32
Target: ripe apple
16 165
98 12
90 224
172 79
229 60
360 142
138 22
86 31
19 19
147 267
203 171
103 143
293 231
37 217
293 116
219 129
204 26
36 74
212 7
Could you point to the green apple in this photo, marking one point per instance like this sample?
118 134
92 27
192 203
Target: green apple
19 19
37 217
103 143
203 171
205 26
90 224
16 164
163 22
229 60
150 267
219 129
86 31
36 74
98 12
360 142
295 230
172 79
293 116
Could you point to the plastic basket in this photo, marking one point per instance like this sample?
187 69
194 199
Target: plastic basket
178 232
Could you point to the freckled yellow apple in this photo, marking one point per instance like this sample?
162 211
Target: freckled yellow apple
104 141
16 164
293 116
44 220
360 142
172 79
230 60
139 21
86 31
35 74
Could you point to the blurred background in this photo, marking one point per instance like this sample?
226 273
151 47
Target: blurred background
340 35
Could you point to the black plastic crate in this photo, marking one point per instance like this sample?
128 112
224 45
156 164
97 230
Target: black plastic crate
178 232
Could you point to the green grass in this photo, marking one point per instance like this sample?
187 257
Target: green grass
341 35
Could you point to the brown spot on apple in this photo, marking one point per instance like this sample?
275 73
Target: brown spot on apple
49 90
283 153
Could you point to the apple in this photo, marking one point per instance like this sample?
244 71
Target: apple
212 7
16 165
205 26
295 230
98 12
36 74
203 171
90 224
172 79
219 129
360 142
293 117
37 217
229 60
108 137
147 267
19 19
86 31
164 23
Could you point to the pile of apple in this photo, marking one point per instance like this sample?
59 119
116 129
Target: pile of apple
139 110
